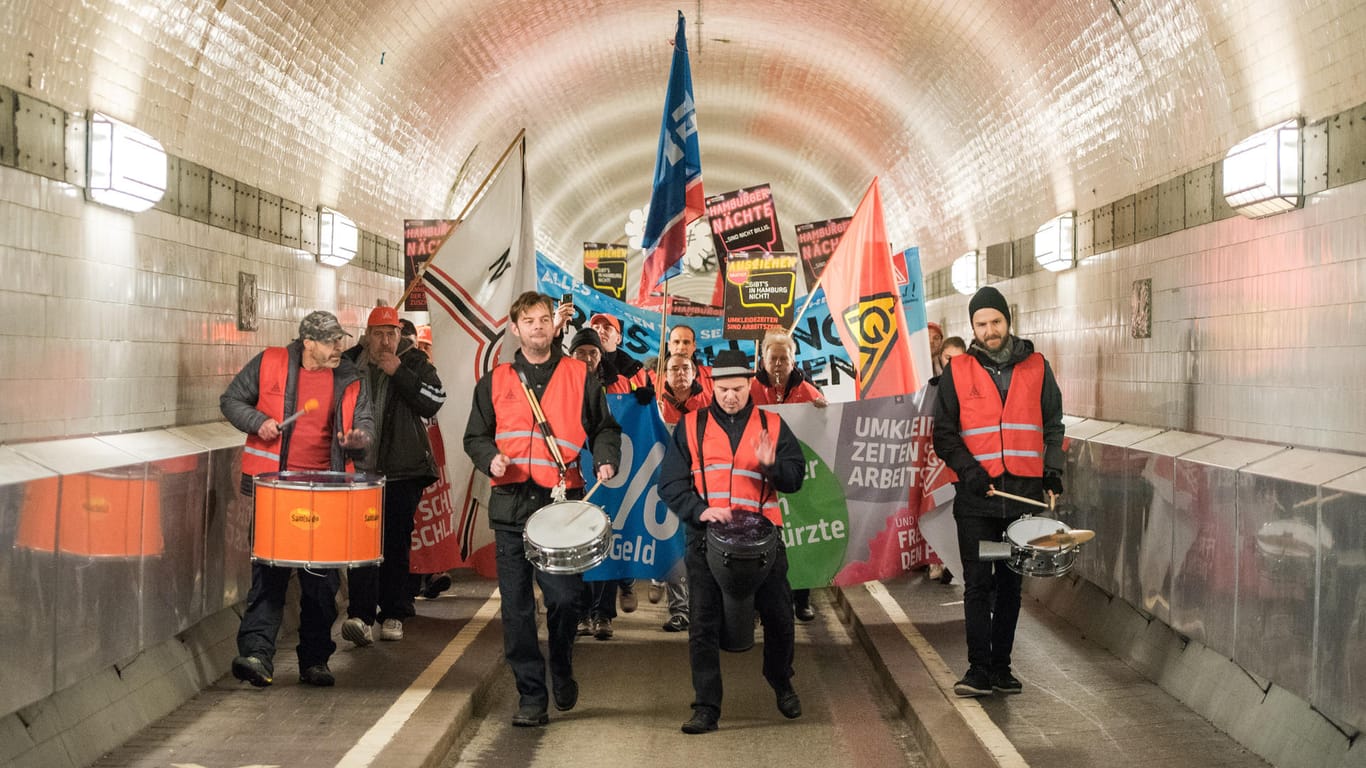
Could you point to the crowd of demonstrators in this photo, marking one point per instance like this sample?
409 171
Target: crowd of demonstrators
724 462
272 387
404 391
777 381
998 425
503 440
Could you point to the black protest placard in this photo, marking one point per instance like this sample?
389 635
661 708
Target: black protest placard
760 288
744 220
816 242
604 269
422 238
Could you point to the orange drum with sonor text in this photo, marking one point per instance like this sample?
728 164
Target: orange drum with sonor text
318 519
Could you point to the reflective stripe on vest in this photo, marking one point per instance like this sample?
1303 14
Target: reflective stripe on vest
272 381
518 438
1002 437
725 485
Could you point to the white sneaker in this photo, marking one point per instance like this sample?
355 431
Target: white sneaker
357 632
391 629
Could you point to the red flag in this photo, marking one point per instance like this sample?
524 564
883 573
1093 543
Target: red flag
861 289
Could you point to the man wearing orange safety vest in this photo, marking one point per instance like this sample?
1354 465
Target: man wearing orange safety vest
331 435
505 440
998 425
747 456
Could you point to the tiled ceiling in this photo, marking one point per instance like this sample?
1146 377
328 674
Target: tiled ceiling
981 118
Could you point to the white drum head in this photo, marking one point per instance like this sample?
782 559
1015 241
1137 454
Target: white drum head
1026 529
566 524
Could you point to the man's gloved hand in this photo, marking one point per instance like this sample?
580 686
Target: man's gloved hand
644 395
1053 482
976 481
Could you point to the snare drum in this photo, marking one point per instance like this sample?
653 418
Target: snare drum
1031 560
567 537
318 519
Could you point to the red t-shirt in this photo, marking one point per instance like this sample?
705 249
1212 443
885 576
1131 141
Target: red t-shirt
311 445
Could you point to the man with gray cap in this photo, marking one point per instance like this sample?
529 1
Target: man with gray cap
303 408
998 425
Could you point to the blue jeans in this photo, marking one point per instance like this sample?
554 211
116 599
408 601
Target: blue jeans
520 645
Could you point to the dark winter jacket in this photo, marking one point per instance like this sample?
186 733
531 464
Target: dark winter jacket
413 393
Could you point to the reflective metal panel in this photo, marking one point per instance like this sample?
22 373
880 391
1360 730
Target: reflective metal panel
1205 573
1278 545
1164 530
227 573
27 588
1340 658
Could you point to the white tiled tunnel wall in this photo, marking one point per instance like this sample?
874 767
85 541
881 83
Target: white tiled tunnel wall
114 322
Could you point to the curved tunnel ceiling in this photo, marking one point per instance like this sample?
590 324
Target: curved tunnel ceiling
982 119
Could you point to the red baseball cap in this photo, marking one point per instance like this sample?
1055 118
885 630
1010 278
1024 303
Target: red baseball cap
606 318
383 316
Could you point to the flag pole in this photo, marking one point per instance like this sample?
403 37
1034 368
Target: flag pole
663 355
811 294
521 135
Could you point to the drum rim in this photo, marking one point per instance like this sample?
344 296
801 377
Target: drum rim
279 563
353 480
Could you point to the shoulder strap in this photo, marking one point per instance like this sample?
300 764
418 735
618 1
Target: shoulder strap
702 457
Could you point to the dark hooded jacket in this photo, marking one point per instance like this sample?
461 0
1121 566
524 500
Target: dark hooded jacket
412 394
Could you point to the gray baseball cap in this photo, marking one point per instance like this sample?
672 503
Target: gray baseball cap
321 326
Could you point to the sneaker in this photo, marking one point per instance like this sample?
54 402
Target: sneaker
602 629
566 693
655 593
676 623
936 572
391 629
788 703
357 632
251 670
628 601
530 716
703 721
1005 682
585 628
974 683
318 675
438 584
804 613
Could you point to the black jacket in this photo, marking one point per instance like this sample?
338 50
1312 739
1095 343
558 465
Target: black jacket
948 443
414 393
675 474
511 505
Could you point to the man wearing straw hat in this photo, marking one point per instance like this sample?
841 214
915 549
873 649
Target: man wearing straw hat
998 425
329 428
527 424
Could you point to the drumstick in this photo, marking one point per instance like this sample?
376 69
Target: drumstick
310 405
1013 497
592 490
576 515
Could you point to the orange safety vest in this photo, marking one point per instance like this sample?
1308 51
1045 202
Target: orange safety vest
260 456
726 479
1002 437
671 413
518 437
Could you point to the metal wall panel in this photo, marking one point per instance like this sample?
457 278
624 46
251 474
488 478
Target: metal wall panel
248 210
1315 143
1171 205
194 191
269 218
1022 256
289 224
1126 212
1104 228
1221 210
1200 196
28 581
227 529
40 138
999 261
366 254
222 201
1086 234
8 102
1340 647
1145 215
170 202
1347 147
308 229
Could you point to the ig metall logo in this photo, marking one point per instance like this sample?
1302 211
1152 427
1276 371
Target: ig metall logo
875 324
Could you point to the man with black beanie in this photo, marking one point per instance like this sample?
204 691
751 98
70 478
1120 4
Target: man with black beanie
998 425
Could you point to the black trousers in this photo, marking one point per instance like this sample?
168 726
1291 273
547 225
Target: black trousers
386 585
520 645
773 603
266 607
598 600
991 595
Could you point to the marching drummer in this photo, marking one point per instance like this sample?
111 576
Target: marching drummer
747 456
303 408
998 425
527 424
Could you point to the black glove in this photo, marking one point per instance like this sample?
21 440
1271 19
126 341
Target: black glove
1053 482
644 395
976 481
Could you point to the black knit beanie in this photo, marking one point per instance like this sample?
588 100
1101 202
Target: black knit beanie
988 298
